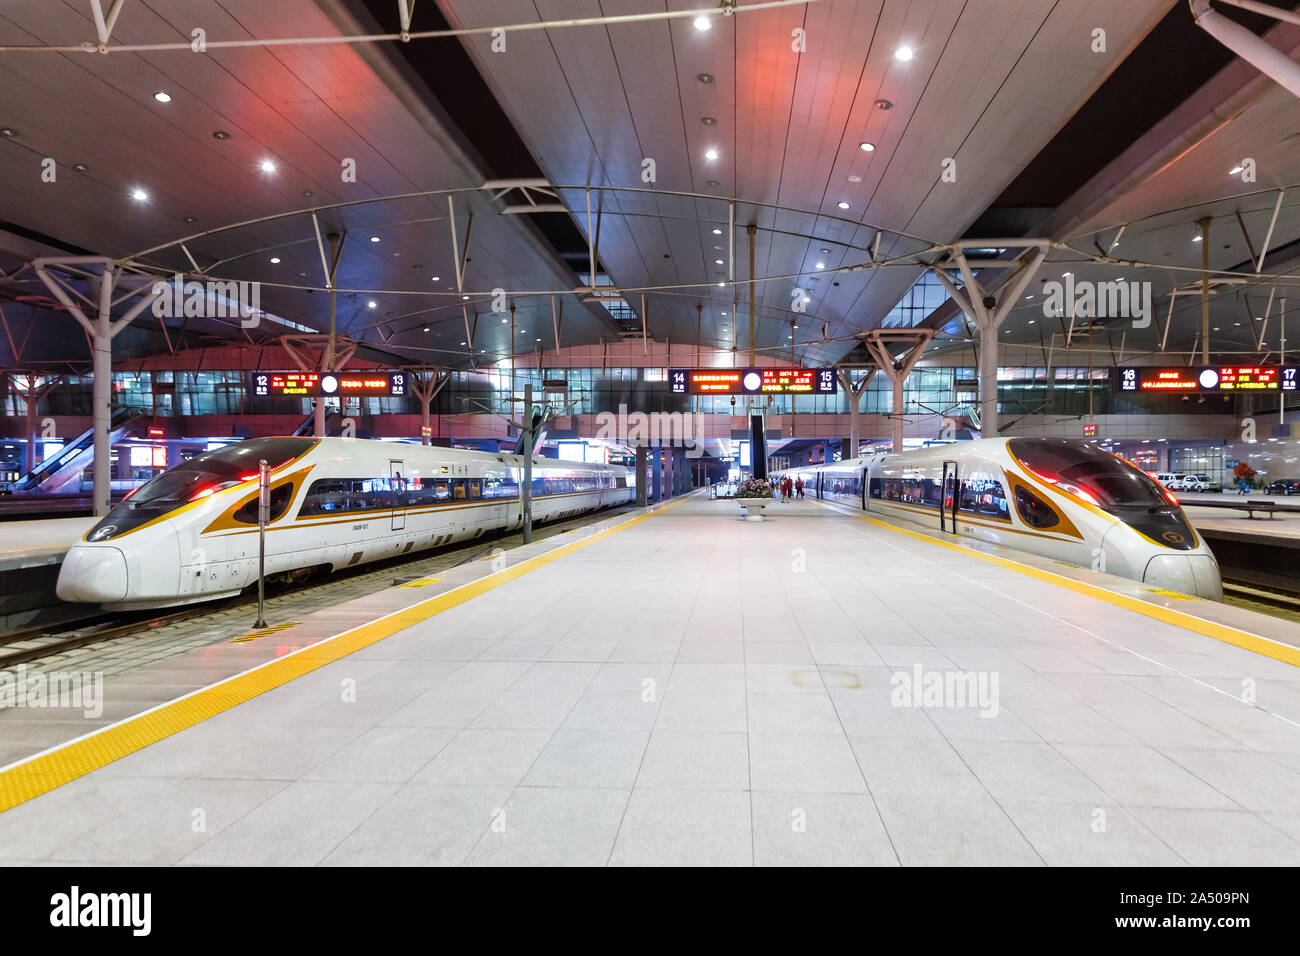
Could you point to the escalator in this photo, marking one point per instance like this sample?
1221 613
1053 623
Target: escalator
55 474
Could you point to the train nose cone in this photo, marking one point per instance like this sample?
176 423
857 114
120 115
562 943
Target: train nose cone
1196 574
92 575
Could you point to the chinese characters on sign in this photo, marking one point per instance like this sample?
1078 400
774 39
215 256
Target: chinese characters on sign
752 381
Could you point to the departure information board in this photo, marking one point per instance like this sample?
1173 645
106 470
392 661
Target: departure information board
752 381
1216 378
331 384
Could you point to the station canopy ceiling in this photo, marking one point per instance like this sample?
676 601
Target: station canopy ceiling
648 146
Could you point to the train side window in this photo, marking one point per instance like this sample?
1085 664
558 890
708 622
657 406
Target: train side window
326 496
984 496
441 489
475 488
1035 512
458 489
280 498
877 488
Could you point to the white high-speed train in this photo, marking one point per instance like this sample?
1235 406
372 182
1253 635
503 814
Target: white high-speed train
191 533
1063 499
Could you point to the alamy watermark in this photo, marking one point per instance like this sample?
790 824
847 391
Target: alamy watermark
945 689
209 299
674 429
1099 300
82 690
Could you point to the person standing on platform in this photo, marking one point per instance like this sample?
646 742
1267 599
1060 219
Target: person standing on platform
776 488
798 487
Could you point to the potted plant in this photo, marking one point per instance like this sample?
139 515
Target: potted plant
752 494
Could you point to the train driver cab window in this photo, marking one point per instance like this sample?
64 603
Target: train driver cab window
280 498
1034 511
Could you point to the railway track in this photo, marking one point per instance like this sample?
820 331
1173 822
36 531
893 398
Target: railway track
33 643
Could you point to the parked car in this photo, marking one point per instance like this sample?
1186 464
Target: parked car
1209 484
1196 483
1177 482
1283 486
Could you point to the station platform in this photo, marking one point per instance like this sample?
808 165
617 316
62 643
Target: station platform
682 686
30 555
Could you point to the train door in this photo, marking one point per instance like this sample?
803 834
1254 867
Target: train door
397 491
866 481
948 496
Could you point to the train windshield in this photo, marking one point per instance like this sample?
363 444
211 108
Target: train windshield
1110 483
197 478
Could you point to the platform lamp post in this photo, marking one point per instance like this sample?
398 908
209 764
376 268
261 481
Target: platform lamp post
526 492
263 515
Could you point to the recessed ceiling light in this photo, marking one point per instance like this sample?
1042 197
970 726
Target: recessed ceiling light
1066 275
539 338
842 205
710 154
275 260
704 77
462 343
714 184
723 313
371 304
867 147
267 166
1196 238
220 134
717 262
162 97
80 167
708 121
1032 321
374 238
139 195
821 265
1234 170
884 105
717 232
465 297
722 283
426 328
903 53
8 133
437 278
703 23
307 193
855 179
505 321
1029 297
190 219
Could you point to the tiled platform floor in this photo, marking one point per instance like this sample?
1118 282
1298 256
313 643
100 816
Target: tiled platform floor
698 689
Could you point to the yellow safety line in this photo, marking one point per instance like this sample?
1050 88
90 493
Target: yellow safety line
53 768
1266 646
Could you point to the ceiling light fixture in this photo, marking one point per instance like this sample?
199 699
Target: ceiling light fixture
220 134
139 195
710 154
80 167
371 304
717 232
705 78
708 121
374 238
162 97
275 260
703 23
903 54
867 147
437 278
1235 170
842 205
268 166
821 265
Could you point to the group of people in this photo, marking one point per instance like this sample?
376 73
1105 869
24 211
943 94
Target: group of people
787 488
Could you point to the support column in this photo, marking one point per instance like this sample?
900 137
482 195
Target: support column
1205 289
855 402
641 476
670 472
335 353
426 386
988 309
101 276
31 393
879 343
656 464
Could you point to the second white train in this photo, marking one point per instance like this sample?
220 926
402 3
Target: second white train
1063 499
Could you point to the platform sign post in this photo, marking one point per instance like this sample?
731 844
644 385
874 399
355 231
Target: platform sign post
526 490
263 514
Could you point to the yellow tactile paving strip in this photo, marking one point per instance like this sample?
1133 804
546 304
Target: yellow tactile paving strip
1212 629
46 771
